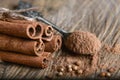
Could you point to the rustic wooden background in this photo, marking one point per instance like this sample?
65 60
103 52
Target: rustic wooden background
100 17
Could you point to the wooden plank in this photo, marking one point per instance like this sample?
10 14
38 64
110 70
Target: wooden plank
100 17
2 69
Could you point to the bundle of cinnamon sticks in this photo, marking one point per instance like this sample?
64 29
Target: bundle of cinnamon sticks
27 42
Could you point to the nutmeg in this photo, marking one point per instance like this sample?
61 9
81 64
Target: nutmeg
82 42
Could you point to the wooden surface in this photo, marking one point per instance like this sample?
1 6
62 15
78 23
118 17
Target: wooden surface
101 17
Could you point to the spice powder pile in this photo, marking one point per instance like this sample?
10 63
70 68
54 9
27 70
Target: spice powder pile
82 42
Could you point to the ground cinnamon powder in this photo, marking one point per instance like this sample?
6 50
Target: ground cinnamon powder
82 42
113 49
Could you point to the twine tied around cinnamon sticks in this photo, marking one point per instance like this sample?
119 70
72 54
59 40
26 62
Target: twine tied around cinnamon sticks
26 41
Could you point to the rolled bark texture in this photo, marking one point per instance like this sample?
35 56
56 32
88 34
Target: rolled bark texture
24 46
29 30
33 61
48 32
53 45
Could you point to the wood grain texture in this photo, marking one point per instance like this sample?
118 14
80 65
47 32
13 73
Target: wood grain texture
101 17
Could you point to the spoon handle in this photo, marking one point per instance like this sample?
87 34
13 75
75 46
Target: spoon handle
37 16
52 24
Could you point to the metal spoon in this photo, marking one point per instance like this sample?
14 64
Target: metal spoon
37 15
63 32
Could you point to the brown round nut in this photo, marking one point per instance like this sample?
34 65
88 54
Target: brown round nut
69 69
102 74
80 71
78 63
61 69
111 70
108 74
69 66
75 68
60 74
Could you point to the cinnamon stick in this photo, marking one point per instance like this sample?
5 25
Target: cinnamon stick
33 61
47 32
18 21
31 31
29 47
54 44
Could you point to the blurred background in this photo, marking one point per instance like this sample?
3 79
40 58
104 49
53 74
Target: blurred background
45 6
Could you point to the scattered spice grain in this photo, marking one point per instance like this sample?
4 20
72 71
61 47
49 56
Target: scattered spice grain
75 67
108 74
78 63
61 69
80 71
111 70
60 74
69 66
70 70
102 74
